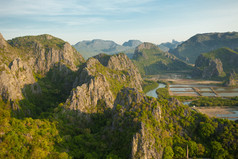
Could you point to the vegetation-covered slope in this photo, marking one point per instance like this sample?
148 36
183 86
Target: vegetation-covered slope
151 60
232 79
26 61
99 81
219 63
92 113
202 43
46 50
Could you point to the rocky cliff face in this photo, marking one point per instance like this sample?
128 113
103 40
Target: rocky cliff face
208 68
100 79
143 145
218 63
93 87
232 80
45 50
38 55
14 78
121 62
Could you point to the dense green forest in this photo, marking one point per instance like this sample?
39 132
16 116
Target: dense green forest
48 123
109 132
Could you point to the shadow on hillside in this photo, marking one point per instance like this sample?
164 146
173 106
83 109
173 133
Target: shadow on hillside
47 93
102 134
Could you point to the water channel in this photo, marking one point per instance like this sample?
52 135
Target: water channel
153 93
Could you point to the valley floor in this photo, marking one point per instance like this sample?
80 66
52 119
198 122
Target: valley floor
195 88
191 81
220 112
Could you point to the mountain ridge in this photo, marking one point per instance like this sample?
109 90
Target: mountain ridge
29 57
190 49
91 48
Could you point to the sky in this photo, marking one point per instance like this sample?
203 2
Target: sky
153 21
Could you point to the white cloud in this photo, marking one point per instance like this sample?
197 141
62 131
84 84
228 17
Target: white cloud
74 21
72 12
70 7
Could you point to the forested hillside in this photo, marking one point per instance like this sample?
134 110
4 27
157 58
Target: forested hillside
54 104
150 60
201 43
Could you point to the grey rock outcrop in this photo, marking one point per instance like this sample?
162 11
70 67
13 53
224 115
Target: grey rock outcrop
232 80
84 97
210 67
143 145
39 54
44 51
214 69
100 79
122 62
219 63
47 57
14 78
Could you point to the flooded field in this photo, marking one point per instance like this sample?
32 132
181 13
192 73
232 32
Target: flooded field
228 94
230 113
208 94
190 85
207 90
227 89
185 93
181 89
202 88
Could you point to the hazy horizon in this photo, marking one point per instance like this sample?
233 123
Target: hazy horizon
155 21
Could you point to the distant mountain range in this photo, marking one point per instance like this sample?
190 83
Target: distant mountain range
167 46
96 46
202 43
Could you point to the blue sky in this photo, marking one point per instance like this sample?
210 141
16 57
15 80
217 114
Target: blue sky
118 20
